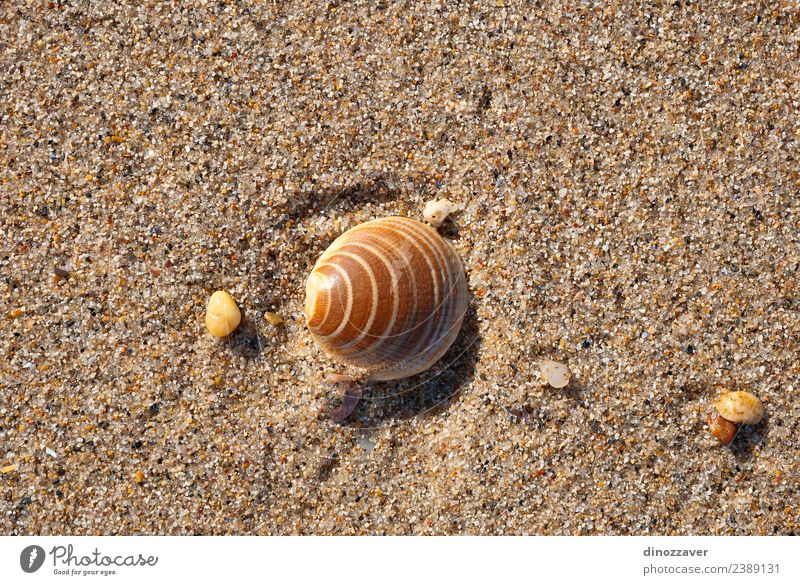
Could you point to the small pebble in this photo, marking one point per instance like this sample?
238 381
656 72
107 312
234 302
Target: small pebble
367 444
556 373
138 477
740 407
350 392
274 319
436 212
222 314
723 430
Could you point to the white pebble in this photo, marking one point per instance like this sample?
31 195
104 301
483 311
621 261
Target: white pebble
436 212
367 444
740 408
556 373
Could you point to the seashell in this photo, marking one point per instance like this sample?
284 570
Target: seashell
556 373
388 296
740 407
436 212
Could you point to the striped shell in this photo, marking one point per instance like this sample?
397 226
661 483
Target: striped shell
388 296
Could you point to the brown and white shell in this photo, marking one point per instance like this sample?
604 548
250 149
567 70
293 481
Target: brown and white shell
388 296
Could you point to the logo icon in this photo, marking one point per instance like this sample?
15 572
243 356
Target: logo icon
31 558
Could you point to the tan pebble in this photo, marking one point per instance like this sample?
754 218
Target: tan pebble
273 319
556 373
740 407
222 314
436 212
723 430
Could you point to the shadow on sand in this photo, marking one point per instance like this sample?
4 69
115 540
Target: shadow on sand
428 393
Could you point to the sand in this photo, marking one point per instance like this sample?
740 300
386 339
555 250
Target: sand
629 182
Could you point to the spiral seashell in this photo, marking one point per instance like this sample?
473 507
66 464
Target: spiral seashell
388 296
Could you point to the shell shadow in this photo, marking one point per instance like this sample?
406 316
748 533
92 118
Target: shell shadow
337 200
428 393
376 188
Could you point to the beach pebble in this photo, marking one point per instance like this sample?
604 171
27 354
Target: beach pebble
436 212
350 392
740 407
556 373
273 319
365 443
723 430
222 314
